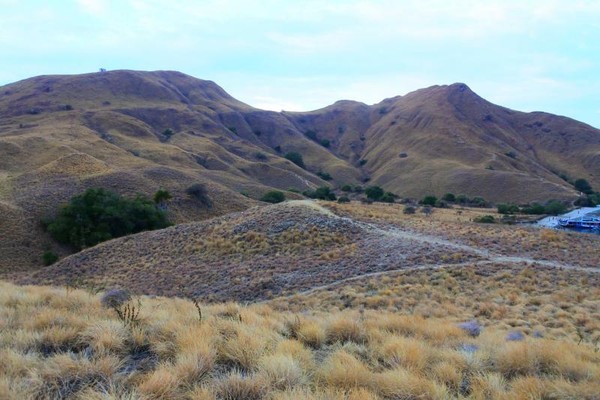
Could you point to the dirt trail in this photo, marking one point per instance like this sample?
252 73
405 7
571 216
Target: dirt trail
490 257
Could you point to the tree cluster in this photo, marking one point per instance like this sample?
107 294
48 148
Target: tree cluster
98 215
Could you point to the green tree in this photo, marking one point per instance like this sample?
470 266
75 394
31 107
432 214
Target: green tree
388 197
555 207
274 196
49 257
583 186
161 197
508 208
296 158
322 193
429 201
98 215
449 197
324 175
374 192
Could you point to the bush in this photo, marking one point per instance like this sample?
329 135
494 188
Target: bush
449 197
388 197
296 158
534 209
358 189
325 142
324 175
429 200
346 188
585 201
99 215
274 196
374 192
462 199
508 208
409 210
555 207
583 186
49 257
260 156
168 132
311 134
322 193
485 219
344 199
478 202
362 162
441 204
198 191
162 196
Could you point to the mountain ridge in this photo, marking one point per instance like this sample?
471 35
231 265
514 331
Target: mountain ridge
136 132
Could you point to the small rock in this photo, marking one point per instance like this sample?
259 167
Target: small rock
115 298
515 336
471 327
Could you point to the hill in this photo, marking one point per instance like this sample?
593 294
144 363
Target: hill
292 247
136 132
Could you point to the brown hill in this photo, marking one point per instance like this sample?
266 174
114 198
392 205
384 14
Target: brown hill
136 131
300 245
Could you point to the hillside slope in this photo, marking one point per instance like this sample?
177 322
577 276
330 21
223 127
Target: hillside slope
297 246
136 132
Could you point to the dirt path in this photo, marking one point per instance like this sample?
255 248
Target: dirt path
490 257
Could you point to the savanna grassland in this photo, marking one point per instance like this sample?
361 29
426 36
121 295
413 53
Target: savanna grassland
312 300
138 132
58 343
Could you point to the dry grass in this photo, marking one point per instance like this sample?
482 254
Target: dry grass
57 344
530 299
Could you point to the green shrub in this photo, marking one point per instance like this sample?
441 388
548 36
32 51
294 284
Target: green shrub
343 199
274 196
583 186
409 210
296 158
534 208
260 156
429 201
325 142
198 192
346 188
555 207
388 197
99 215
374 192
162 196
485 219
311 134
508 208
449 197
49 257
322 193
478 202
324 175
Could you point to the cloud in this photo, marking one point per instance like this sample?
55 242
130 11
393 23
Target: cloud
94 7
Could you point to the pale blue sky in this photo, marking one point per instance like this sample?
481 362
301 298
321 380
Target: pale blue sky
303 55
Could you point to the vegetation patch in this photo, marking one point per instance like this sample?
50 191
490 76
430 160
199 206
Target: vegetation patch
99 215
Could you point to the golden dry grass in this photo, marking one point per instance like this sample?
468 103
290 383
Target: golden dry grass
63 344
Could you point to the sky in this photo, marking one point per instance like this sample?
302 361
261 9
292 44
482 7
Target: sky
304 55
